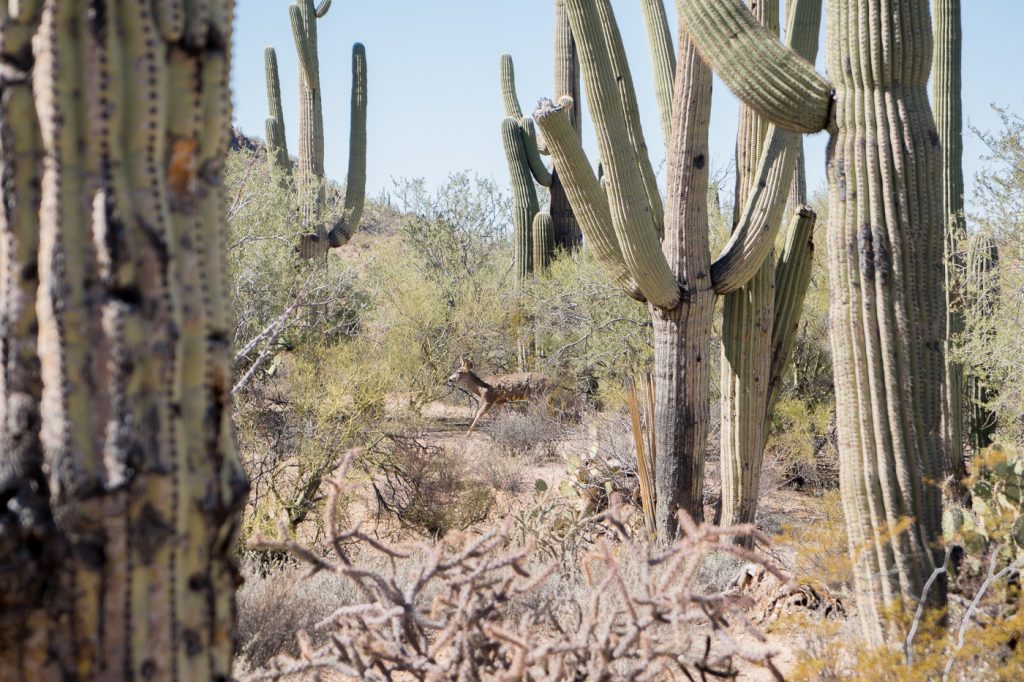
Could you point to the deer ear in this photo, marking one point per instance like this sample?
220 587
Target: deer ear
467 363
462 361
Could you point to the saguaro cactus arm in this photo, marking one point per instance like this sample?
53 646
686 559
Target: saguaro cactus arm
774 80
588 198
792 277
628 198
540 172
355 181
277 144
533 147
663 58
524 196
623 78
753 238
543 241
508 88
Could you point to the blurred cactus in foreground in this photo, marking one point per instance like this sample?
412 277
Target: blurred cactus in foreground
119 479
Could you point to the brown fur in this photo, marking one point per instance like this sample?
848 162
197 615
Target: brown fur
497 389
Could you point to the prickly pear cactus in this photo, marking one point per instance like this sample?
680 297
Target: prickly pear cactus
996 516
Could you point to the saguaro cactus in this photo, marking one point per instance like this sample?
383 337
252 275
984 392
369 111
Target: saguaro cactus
982 293
277 144
522 152
888 309
311 181
946 88
757 343
624 221
524 196
120 483
566 229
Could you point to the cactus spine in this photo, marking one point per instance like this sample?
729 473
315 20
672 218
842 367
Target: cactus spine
119 450
982 292
310 179
888 309
946 85
624 220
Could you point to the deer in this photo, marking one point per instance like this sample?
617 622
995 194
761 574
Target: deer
497 389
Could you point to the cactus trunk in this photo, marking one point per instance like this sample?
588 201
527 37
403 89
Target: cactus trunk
886 249
567 84
128 476
746 336
682 334
946 85
888 314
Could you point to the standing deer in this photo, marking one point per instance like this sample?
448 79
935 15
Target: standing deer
497 389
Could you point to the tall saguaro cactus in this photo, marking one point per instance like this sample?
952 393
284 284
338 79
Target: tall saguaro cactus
946 89
759 320
888 308
566 231
525 165
310 178
121 489
747 315
624 221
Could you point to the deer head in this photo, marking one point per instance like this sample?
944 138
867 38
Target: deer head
462 374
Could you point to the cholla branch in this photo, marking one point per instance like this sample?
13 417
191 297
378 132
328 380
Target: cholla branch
481 607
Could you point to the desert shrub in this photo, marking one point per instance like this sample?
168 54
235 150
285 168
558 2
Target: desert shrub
602 461
525 430
443 611
505 472
427 488
295 426
816 544
991 341
273 607
802 449
590 335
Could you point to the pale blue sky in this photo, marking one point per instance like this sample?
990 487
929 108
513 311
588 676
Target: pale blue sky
434 102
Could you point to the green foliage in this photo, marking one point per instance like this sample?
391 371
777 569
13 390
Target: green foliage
996 516
991 342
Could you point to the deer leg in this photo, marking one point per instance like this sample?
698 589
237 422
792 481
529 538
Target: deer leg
484 406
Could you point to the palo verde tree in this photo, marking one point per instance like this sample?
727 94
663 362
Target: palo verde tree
659 253
885 250
311 180
120 487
